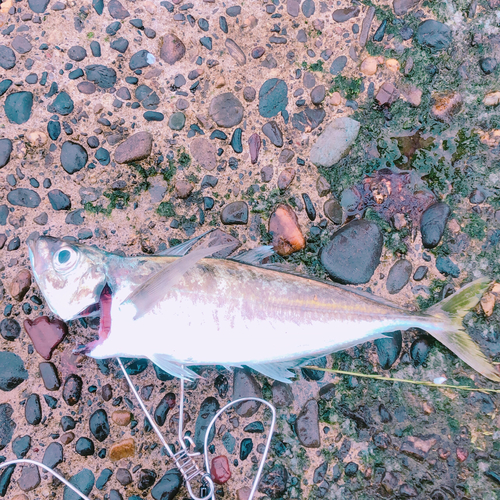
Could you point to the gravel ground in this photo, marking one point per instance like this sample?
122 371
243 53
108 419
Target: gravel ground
361 140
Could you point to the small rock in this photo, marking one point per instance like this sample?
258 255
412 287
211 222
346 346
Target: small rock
21 44
434 35
83 481
387 94
226 110
369 66
286 232
318 94
249 94
46 334
235 213
254 144
333 143
50 376
123 476
399 275
389 349
401 7
353 253
122 449
5 151
7 57
208 408
135 148
338 65
274 483
12 374
30 478
53 455
85 447
420 273
168 486
117 10
273 133
235 52
33 410
99 425
7 425
177 121
20 285
491 99
273 97
488 65
72 390
59 200
343 15
245 385
102 76
418 447
446 106
172 49
307 425
433 223
18 107
282 394
204 153
220 470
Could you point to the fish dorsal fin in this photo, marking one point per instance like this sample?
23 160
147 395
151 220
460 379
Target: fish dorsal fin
281 370
255 256
152 291
183 248
169 366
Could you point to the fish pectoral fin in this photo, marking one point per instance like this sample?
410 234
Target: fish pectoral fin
255 256
154 289
172 367
183 248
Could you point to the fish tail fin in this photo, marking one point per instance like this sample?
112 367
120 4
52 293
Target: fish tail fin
450 313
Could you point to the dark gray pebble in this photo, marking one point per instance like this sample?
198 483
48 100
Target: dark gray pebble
59 200
53 455
164 406
420 349
85 447
236 142
10 329
177 120
7 425
273 97
447 267
72 390
307 425
33 410
77 53
420 273
18 107
73 157
147 478
318 94
338 65
102 76
315 375
433 223
103 478
7 57
310 210
120 45
117 10
208 409
75 217
38 6
21 445
23 197
399 275
102 156
273 133
123 476
50 377
246 447
5 151
389 349
168 486
99 425
434 35
274 482
488 65
30 478
83 481
235 213
21 45
95 48
226 110
343 15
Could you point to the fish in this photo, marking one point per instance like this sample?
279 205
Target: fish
184 308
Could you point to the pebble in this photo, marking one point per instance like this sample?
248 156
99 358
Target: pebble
433 223
353 253
338 65
85 447
307 425
245 385
83 481
164 406
172 49
102 76
266 173
21 445
5 151
123 476
30 478
208 408
10 329
50 376
282 394
308 119
343 15
310 210
491 99
236 142
235 213
365 26
419 350
122 449
434 35
20 284
18 107
99 425
67 423
274 482
254 144
72 390
226 110
33 410
249 94
446 106
398 276
333 143
389 349
73 157
21 45
168 486
220 470
136 147
77 53
53 455
103 478
204 153
235 52
488 65
141 59
13 371
177 121
285 178
318 94
401 7
59 200
272 131
285 230
7 425
273 97
246 447
46 334
447 267
7 57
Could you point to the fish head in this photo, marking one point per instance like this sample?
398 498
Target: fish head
70 276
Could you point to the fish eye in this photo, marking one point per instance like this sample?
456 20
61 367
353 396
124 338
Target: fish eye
65 259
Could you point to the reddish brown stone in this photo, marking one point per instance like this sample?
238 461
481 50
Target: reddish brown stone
285 229
46 334
446 106
121 417
172 49
220 470
286 178
462 454
387 94
67 437
183 189
122 449
418 447
20 284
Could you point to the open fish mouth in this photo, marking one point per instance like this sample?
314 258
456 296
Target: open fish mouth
102 309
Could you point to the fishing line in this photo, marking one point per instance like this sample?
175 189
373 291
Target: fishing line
406 381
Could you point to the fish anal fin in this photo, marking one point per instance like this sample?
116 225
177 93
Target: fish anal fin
172 367
255 256
154 289
281 370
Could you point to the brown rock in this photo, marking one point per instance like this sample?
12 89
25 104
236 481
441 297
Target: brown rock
401 7
20 284
282 394
284 226
107 392
136 147
267 172
21 496
122 449
387 94
173 424
121 417
220 470
67 437
446 106
235 52
286 156
323 186
172 49
254 143
418 447
244 493
285 178
389 482
203 152
183 189
46 334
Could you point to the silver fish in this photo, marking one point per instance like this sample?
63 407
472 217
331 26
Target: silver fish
183 309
